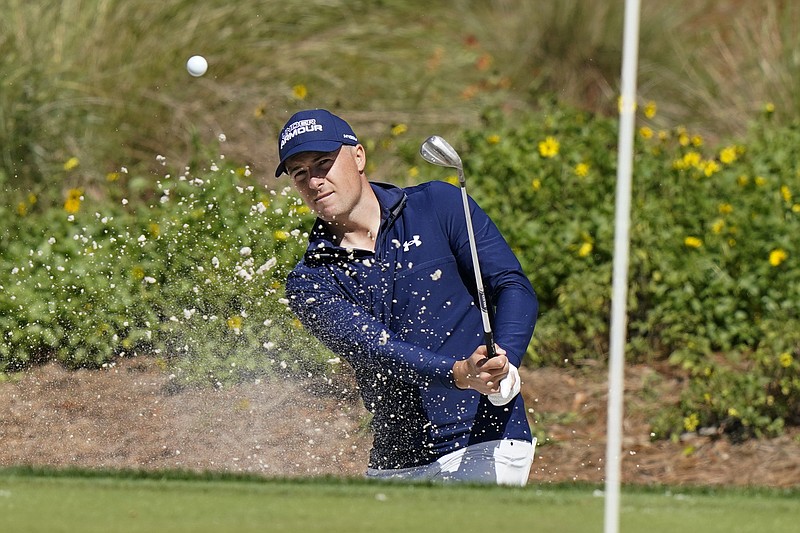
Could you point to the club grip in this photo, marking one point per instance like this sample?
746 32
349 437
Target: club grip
488 339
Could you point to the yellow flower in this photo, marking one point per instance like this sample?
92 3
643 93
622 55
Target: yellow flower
399 129
71 163
760 181
732 411
710 167
769 108
689 160
452 180
786 194
137 273
154 229
549 147
72 205
697 140
536 184
796 208
683 139
581 170
646 132
692 242
235 323
693 159
650 109
493 139
777 256
725 208
32 199
728 155
786 359
585 249
112 176
73 202
718 226
413 172
691 422
22 209
742 180
280 235
300 91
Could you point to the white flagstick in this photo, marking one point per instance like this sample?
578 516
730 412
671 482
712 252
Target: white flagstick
616 364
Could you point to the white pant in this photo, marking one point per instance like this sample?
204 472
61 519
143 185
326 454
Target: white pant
504 462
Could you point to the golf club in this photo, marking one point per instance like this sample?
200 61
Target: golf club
437 151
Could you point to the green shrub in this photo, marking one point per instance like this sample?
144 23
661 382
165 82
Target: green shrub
174 267
714 246
192 270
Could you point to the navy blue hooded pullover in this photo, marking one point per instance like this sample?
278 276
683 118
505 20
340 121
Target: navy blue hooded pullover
403 315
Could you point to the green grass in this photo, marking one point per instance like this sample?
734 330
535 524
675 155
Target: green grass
55 501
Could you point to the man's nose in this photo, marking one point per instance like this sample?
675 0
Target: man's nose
316 178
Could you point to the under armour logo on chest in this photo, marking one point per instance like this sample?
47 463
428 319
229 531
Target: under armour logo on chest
415 241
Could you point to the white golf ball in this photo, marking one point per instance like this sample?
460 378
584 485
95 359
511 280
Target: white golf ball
197 65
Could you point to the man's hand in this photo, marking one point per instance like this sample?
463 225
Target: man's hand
509 388
480 373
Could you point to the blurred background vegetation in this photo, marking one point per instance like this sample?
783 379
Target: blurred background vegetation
140 215
103 80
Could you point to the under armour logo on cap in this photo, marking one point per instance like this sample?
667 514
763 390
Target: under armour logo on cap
312 130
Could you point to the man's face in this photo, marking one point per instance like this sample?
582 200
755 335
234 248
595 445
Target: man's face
330 183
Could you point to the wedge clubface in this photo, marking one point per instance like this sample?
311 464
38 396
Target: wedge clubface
437 151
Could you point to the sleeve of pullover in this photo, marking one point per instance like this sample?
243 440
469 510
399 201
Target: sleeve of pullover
510 294
349 331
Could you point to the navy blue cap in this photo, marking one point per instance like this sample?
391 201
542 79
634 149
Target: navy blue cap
312 130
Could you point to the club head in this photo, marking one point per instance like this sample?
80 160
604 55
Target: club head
439 152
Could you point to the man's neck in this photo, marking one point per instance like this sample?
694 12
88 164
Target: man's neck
361 228
363 240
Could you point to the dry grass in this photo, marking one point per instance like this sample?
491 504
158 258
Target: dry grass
104 79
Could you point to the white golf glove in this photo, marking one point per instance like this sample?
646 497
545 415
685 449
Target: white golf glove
509 387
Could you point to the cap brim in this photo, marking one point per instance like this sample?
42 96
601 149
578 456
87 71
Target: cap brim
310 146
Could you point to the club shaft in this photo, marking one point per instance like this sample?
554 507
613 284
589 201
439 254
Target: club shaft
482 302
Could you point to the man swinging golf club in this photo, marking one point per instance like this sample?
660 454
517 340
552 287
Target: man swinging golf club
389 283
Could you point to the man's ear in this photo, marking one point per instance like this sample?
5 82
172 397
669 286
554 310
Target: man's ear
361 158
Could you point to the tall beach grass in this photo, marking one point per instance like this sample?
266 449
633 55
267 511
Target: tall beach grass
103 80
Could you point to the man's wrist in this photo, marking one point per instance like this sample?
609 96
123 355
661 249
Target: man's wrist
458 375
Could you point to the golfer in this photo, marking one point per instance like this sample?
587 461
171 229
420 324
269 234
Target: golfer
385 284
